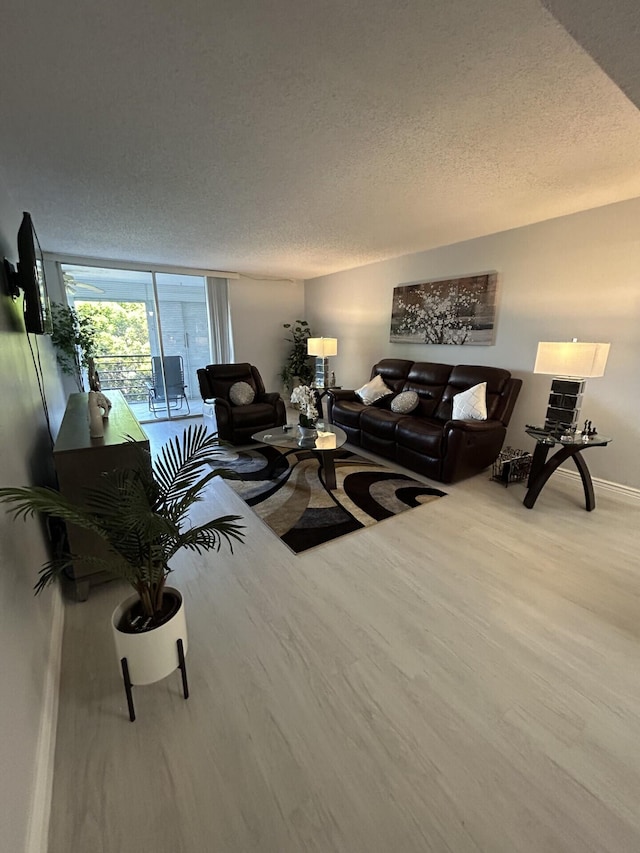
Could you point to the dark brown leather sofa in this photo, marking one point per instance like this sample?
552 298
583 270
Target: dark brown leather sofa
238 423
427 440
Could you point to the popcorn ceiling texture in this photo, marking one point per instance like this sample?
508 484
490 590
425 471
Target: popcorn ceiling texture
296 139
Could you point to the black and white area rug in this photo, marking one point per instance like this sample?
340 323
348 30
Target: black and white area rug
289 495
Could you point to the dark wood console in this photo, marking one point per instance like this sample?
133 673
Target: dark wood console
79 461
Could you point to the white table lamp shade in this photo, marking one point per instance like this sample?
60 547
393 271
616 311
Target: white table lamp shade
322 347
571 358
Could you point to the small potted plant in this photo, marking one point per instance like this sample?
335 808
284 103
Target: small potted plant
141 513
304 398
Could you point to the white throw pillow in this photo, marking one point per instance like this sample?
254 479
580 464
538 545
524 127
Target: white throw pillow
404 403
374 390
241 394
471 405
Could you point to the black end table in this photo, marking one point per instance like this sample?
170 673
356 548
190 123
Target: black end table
542 468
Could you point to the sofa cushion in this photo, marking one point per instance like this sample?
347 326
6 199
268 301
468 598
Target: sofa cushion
379 422
421 435
253 414
464 376
428 380
471 405
241 394
373 390
394 371
404 403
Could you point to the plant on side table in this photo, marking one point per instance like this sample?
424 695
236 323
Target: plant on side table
141 514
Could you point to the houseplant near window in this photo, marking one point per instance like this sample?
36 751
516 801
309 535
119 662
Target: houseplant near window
74 339
297 365
141 513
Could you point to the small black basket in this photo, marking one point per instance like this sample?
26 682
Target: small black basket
511 466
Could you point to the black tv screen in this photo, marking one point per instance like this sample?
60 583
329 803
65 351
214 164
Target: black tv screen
37 314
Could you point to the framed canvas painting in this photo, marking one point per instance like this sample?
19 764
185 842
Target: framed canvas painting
448 311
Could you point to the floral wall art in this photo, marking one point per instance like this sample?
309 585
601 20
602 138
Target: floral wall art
449 311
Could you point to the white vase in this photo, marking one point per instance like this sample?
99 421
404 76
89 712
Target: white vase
151 655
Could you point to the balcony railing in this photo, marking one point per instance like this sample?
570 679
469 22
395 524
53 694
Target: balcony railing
130 374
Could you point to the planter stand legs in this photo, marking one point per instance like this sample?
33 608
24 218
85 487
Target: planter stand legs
182 666
128 686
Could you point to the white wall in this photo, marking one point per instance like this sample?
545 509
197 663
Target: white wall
25 626
258 311
576 276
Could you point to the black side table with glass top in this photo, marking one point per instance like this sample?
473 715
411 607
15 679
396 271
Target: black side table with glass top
322 391
542 468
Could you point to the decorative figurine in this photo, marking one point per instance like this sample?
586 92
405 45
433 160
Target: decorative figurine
96 426
587 431
104 403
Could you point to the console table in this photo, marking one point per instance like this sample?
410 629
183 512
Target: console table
79 460
542 469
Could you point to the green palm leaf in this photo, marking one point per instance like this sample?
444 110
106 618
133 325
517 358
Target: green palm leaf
180 462
140 513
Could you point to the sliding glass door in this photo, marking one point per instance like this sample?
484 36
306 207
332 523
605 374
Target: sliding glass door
152 334
182 312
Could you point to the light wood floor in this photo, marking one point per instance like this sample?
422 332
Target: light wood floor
463 677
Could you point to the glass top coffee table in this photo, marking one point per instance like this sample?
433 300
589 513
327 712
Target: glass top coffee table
324 445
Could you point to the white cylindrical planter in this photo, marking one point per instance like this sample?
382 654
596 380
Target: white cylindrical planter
153 654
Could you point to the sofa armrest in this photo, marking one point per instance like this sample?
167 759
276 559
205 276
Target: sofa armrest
270 397
470 446
335 394
472 426
221 403
341 394
223 418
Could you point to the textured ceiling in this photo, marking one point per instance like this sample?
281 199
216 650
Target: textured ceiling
293 138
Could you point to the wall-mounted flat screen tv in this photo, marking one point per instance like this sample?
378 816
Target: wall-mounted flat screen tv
31 279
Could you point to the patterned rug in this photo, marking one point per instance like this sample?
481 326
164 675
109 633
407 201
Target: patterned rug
288 493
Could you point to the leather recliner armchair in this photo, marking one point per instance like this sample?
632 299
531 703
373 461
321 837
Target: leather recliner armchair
237 423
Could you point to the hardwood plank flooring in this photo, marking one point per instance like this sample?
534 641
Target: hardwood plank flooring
460 678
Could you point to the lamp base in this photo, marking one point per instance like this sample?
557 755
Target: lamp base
565 401
322 373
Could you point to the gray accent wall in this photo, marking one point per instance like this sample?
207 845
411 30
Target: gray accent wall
25 625
259 308
575 276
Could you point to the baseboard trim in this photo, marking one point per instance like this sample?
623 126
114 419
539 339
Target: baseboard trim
38 829
605 485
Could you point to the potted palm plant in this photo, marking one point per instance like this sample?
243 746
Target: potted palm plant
141 513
